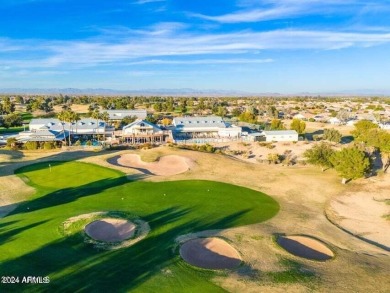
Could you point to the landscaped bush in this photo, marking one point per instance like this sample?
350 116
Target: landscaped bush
49 145
207 148
31 145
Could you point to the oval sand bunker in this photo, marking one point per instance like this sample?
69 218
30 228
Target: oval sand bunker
210 253
110 230
165 166
305 247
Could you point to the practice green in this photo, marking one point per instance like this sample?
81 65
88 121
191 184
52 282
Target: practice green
32 245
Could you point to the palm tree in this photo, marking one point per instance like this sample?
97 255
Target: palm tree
62 116
96 115
72 117
105 117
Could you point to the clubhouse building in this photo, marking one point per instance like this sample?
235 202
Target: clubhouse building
209 128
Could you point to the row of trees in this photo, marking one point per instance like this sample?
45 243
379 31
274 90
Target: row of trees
350 163
356 161
11 120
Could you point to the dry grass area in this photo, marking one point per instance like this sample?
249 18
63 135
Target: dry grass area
253 152
363 211
314 126
75 107
304 194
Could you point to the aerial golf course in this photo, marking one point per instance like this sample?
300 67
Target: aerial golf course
33 241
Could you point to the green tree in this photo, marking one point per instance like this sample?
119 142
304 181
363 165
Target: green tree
380 140
8 106
221 111
247 117
157 107
362 129
31 145
236 112
272 112
152 119
277 124
12 143
319 155
332 135
62 116
127 120
96 115
298 125
12 120
106 118
350 163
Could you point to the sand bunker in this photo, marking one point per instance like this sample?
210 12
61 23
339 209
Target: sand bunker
165 166
305 247
210 253
110 230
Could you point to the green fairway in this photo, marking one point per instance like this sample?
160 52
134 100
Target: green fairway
31 243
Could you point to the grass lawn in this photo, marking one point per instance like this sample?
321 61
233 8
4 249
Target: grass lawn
11 130
31 243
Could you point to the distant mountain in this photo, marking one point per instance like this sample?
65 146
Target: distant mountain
184 92
145 92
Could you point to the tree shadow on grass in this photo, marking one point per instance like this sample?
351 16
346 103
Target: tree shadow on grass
75 267
9 235
68 195
8 168
114 161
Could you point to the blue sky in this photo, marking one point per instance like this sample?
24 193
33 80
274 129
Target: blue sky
285 46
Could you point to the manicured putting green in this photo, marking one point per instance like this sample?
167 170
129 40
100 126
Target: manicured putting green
32 243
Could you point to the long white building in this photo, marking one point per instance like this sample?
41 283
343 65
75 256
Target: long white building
204 127
281 135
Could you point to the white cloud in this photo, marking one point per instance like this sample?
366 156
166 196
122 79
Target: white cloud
103 51
201 61
255 11
147 1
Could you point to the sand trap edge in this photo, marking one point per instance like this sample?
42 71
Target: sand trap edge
142 229
234 262
301 246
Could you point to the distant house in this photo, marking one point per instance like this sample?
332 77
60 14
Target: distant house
142 131
385 126
281 135
299 116
334 121
118 115
204 127
351 122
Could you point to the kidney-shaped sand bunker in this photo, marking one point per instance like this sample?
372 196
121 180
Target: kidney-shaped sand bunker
110 229
210 253
306 247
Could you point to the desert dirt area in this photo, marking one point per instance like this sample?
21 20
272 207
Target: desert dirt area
305 194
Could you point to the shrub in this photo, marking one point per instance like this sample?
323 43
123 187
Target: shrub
31 145
49 145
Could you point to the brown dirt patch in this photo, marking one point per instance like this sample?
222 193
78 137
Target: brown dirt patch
362 211
165 166
110 230
306 247
210 253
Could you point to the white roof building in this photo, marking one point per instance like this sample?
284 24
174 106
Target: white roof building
142 131
120 114
83 126
334 121
281 135
209 126
141 127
